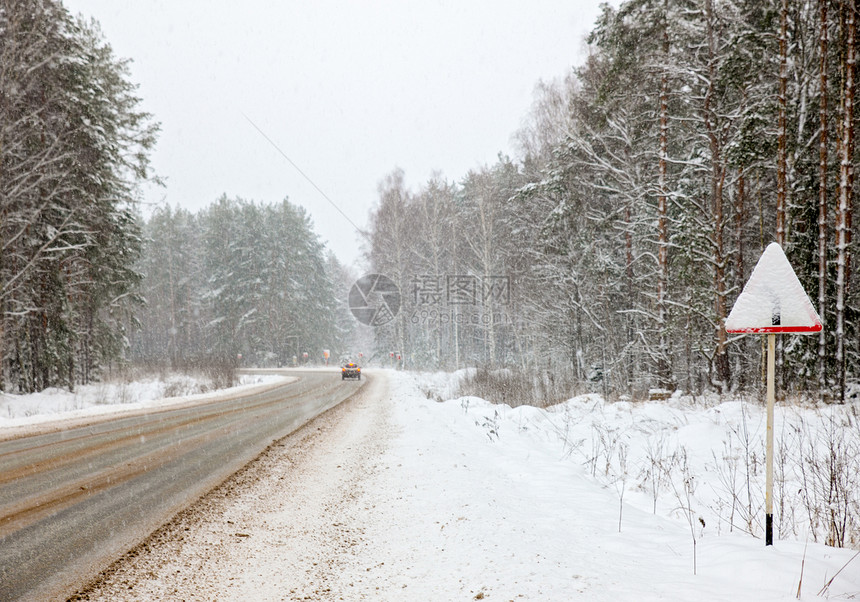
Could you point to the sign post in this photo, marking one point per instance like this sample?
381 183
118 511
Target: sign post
771 394
773 302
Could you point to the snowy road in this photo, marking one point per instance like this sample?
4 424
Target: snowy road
286 527
74 499
394 496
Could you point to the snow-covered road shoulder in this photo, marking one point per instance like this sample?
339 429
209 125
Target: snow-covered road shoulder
487 501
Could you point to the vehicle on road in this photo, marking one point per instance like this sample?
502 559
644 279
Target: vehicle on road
350 370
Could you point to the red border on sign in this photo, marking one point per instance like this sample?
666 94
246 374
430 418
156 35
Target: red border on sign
776 329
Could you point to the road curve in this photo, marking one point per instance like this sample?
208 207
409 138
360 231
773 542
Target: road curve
71 501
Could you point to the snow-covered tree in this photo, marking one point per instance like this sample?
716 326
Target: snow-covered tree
73 147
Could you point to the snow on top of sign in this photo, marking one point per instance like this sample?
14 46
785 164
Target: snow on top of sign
773 299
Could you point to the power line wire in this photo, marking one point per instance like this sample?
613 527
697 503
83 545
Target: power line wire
305 176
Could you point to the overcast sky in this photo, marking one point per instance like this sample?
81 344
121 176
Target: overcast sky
348 90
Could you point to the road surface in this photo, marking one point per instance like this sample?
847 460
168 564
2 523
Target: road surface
288 526
73 500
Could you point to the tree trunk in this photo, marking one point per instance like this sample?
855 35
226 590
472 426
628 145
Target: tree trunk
721 359
822 199
846 173
740 218
781 126
631 295
664 370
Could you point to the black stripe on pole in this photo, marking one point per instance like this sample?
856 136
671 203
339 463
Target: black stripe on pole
768 529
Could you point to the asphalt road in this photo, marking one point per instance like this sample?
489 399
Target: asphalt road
74 500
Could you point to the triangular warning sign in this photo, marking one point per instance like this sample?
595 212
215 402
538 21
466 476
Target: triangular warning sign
773 299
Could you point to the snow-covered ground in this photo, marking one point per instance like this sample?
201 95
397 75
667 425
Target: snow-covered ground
411 498
525 503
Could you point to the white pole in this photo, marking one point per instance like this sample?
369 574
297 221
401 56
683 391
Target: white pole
768 527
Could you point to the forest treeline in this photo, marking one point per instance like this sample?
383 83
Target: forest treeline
647 184
74 145
239 283
607 253
86 283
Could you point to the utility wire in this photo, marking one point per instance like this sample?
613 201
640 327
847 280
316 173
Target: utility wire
305 176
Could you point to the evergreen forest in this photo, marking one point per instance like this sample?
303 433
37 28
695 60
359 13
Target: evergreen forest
605 253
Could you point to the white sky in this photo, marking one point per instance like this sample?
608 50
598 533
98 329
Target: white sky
348 90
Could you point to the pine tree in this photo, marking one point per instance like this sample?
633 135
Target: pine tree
73 147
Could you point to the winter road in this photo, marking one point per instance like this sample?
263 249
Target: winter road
75 499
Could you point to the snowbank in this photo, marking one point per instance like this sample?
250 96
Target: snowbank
528 502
